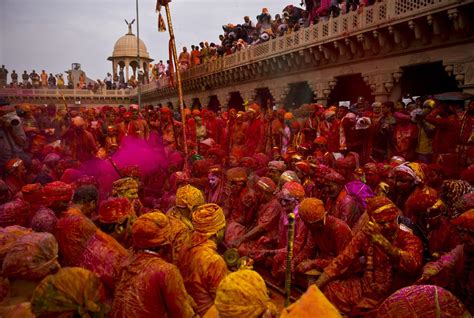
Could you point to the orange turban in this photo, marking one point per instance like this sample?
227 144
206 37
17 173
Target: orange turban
254 108
115 210
311 210
465 220
288 116
189 197
303 166
294 188
382 209
313 303
151 230
208 219
243 294
236 174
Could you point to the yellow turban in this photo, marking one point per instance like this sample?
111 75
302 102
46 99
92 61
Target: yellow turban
151 230
189 197
70 289
243 294
208 219
311 210
125 187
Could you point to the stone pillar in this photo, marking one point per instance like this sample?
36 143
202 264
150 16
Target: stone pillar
322 89
127 65
279 93
381 83
223 98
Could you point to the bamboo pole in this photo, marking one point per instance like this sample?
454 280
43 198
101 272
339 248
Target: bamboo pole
178 79
289 257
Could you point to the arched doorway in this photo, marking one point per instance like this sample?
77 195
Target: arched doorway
236 101
213 104
350 88
427 79
196 104
299 93
264 98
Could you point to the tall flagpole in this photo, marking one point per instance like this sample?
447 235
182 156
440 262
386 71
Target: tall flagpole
138 58
178 78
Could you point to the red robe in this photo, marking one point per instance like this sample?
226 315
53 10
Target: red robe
405 137
254 137
375 284
151 287
202 269
322 246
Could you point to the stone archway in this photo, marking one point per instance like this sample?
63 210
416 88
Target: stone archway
349 88
427 79
298 94
264 98
196 104
214 104
236 101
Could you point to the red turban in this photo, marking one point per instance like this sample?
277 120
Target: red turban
294 189
266 184
465 220
216 151
33 194
71 175
333 176
57 191
420 201
303 166
320 141
382 209
15 212
115 210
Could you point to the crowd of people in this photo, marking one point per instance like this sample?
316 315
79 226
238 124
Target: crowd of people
132 213
237 37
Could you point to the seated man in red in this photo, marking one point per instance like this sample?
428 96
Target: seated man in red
327 236
391 258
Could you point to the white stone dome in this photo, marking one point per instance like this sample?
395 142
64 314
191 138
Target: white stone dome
126 46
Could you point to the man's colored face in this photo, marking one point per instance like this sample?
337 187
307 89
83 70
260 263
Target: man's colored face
237 186
287 201
274 175
213 180
331 190
377 109
403 182
372 178
388 228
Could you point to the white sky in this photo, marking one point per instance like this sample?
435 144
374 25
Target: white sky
52 34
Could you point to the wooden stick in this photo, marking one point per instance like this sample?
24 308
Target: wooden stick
289 257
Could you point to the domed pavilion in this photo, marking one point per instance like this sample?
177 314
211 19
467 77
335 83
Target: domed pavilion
124 55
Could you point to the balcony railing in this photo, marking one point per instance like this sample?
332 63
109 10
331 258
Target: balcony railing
340 27
76 93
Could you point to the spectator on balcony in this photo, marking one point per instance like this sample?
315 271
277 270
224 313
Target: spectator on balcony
35 79
184 60
204 53
25 77
60 81
213 51
161 69
264 22
82 80
14 77
249 28
51 81
3 76
195 59
44 79
108 81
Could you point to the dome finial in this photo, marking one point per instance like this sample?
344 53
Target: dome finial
129 26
